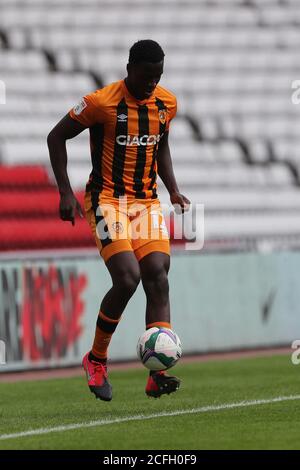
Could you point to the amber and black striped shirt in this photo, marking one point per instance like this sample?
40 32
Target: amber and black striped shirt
124 138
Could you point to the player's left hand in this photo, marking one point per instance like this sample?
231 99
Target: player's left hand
180 201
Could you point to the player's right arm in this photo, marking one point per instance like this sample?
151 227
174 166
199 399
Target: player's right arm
66 129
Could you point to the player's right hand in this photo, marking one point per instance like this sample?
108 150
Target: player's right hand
68 207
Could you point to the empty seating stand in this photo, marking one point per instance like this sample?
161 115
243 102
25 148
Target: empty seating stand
231 65
29 177
30 234
33 203
29 213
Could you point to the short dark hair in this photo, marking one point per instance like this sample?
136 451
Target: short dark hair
146 50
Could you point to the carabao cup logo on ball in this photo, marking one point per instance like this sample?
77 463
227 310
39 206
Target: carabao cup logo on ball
159 348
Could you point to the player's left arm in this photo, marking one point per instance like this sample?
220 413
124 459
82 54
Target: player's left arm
166 173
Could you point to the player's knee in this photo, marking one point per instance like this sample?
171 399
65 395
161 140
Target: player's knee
157 285
129 282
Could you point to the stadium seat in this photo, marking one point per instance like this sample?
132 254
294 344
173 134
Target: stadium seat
287 150
236 175
241 199
34 84
18 234
30 127
23 203
252 225
35 151
12 177
258 151
43 105
16 61
223 151
231 64
181 129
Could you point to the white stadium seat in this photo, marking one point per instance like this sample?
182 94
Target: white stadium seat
181 130
241 199
35 151
41 105
250 225
234 175
48 83
15 61
287 150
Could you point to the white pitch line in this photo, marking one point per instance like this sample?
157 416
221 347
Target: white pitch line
103 422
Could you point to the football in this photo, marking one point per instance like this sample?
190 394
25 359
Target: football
159 348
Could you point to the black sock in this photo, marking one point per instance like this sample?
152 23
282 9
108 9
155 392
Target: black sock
97 359
152 372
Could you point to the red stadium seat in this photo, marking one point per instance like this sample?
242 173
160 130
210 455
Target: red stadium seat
29 212
39 233
47 233
39 203
29 216
14 177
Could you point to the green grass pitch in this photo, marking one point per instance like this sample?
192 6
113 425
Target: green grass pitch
41 405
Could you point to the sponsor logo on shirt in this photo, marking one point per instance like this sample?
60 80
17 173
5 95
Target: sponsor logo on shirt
133 140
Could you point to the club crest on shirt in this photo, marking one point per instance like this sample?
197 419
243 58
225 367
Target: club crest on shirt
79 107
117 227
162 114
